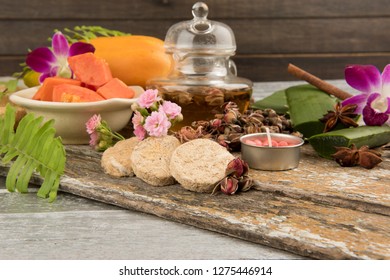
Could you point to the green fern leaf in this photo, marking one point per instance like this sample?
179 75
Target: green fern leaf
36 149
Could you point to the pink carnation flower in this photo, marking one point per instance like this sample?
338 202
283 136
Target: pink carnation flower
94 139
137 119
172 110
92 126
157 124
140 132
147 99
93 123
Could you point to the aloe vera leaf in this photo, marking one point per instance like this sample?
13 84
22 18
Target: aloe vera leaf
373 136
307 105
276 101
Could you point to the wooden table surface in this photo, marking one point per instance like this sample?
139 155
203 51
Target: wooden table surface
78 228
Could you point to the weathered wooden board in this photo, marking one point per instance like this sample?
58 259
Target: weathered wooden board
325 182
318 210
269 34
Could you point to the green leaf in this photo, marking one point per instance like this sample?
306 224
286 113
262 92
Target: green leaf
307 104
276 101
372 136
36 149
86 33
10 86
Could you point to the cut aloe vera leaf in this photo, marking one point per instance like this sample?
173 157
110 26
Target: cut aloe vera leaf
307 105
373 136
276 101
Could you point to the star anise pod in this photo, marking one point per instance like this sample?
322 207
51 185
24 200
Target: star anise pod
364 156
344 114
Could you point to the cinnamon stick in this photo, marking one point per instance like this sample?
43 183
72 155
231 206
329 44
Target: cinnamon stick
317 82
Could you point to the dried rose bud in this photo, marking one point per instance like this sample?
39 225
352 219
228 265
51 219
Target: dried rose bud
252 128
231 128
230 106
269 113
216 123
237 168
245 183
229 185
214 97
187 133
221 140
231 116
203 124
256 117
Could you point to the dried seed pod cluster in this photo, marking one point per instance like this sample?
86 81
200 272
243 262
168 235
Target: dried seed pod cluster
227 128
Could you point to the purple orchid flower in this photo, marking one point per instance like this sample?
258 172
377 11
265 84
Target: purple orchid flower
374 101
54 61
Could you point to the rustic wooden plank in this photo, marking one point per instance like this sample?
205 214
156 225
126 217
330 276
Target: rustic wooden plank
325 182
261 68
299 226
274 36
273 218
178 9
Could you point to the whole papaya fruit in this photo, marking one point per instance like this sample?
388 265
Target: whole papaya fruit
134 59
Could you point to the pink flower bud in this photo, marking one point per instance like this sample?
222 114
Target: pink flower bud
229 185
237 168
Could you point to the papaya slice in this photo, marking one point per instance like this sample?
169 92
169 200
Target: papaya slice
90 70
115 89
45 92
73 93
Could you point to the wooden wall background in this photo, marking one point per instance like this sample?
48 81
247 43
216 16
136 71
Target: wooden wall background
319 36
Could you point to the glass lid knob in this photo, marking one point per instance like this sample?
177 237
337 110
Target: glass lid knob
200 11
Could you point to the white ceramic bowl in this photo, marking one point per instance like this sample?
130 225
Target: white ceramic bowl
70 118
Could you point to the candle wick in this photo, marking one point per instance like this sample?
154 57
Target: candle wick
268 137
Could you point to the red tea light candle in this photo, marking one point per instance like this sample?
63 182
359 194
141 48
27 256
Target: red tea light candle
265 143
274 151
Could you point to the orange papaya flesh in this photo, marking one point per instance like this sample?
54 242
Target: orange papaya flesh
90 69
45 92
73 93
134 59
115 89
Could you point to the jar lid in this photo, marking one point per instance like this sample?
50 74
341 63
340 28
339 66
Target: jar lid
200 35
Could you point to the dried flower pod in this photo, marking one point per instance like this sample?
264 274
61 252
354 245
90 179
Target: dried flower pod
231 116
237 167
179 97
222 140
236 179
227 127
231 128
269 113
245 183
187 133
230 106
252 128
214 97
233 141
229 185
255 119
204 124
215 123
272 129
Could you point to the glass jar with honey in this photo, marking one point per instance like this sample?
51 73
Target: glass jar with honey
203 76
